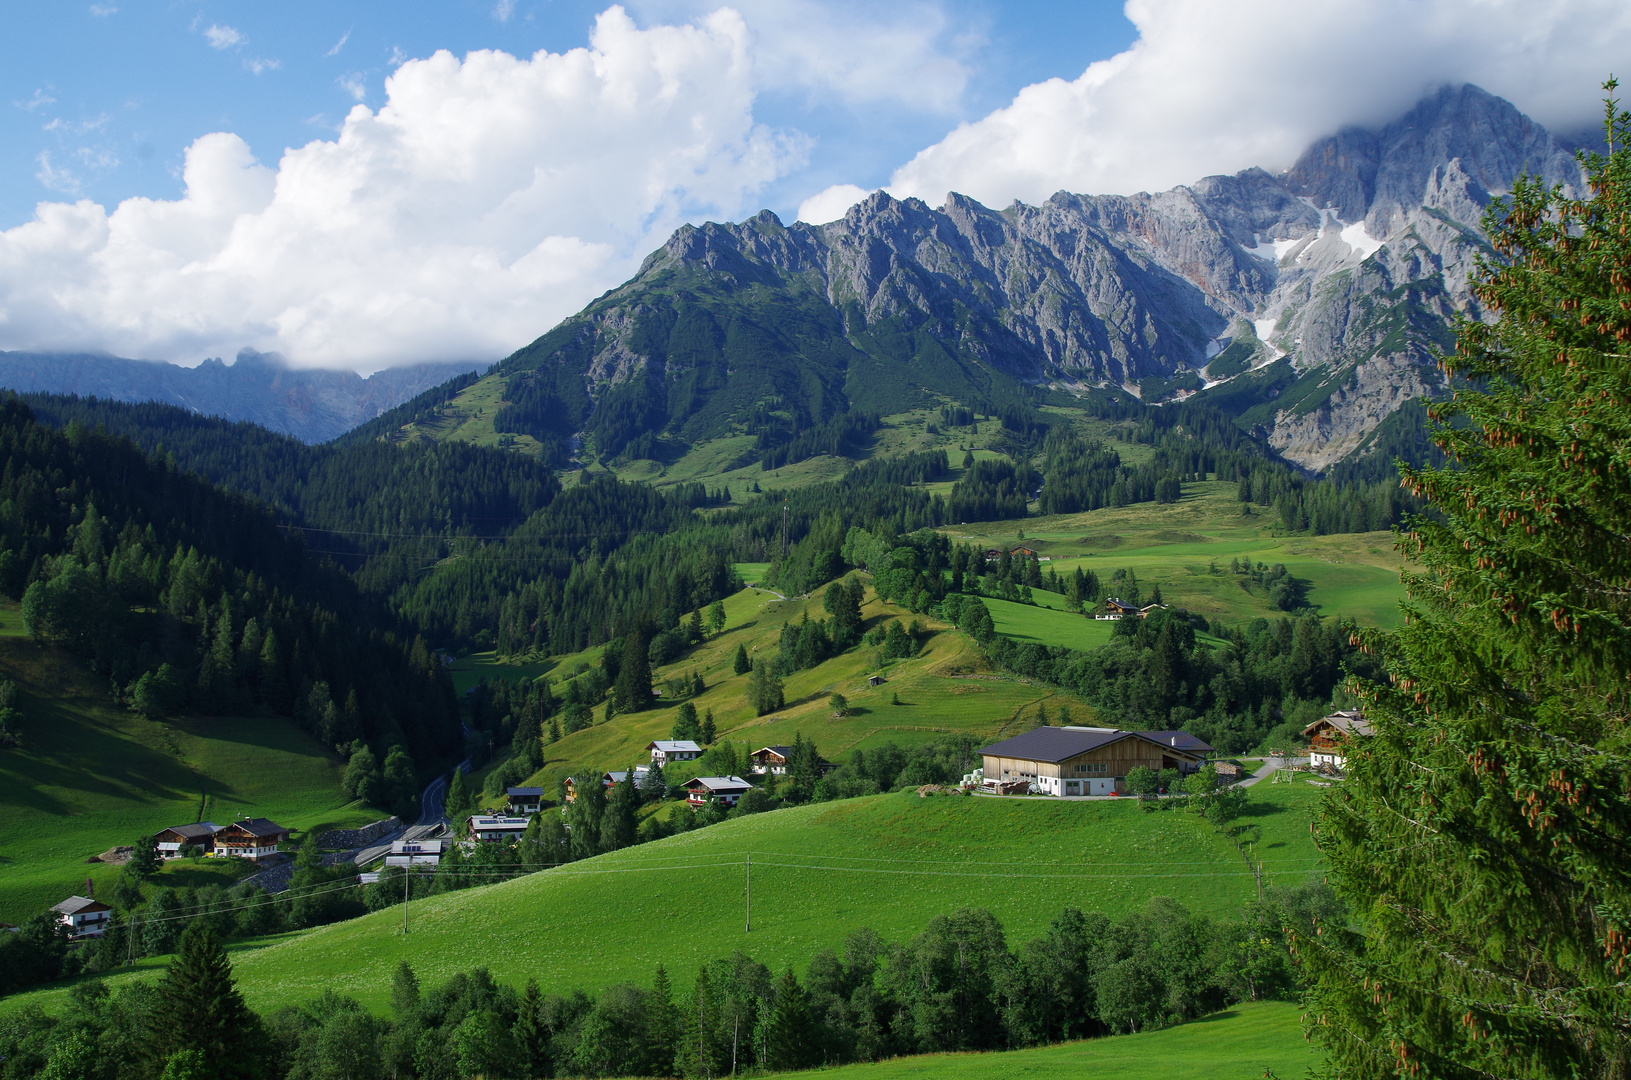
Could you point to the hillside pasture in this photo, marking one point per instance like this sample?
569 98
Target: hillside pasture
1186 548
948 689
819 872
90 776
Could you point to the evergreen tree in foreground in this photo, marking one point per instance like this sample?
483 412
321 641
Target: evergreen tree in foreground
1483 835
199 1008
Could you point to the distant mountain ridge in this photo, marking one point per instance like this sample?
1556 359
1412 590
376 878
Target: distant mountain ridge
311 404
1307 304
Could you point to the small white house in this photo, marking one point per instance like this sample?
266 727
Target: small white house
84 917
664 751
724 789
492 829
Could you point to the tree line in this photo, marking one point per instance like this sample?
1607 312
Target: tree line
958 985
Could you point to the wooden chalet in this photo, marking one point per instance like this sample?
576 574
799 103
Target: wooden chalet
875 680
524 800
1029 553
250 838
1115 609
1328 738
199 835
1082 760
725 789
84 917
491 829
773 759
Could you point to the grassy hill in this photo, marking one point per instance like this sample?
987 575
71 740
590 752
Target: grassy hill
90 776
1251 1040
949 688
890 862
1186 547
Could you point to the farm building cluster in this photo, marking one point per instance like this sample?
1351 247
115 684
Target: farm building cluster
246 838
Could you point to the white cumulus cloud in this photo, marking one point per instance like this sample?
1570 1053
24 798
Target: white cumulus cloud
223 37
831 204
487 198
1211 87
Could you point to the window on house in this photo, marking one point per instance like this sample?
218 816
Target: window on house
1091 768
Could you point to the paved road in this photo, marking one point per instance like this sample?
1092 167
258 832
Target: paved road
1269 766
431 802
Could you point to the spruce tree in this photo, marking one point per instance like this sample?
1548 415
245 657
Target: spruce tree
274 685
620 823
742 665
198 1007
144 857
686 725
662 1031
1481 834
764 689
405 993
458 795
710 730
790 1043
632 691
532 1034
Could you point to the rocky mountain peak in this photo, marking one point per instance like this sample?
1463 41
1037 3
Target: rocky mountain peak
1378 176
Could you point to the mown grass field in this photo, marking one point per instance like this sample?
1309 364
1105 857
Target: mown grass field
90 776
1186 548
1251 1040
889 862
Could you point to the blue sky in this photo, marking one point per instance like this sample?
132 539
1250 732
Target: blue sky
182 180
114 92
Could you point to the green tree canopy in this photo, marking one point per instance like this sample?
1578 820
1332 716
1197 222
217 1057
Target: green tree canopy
1483 832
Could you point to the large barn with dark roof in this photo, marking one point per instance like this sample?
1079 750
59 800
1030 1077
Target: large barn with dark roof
1088 761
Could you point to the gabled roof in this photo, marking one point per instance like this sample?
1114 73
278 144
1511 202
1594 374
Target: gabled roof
640 773
1054 744
720 783
495 821
524 792
76 905
779 751
259 827
1183 740
1347 721
670 746
197 830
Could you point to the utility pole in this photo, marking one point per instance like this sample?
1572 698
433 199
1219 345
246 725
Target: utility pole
405 896
786 510
749 894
